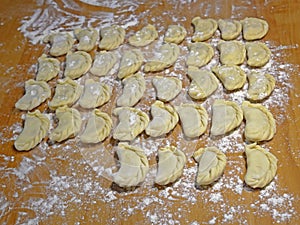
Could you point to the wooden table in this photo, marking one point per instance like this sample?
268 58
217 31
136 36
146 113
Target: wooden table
61 183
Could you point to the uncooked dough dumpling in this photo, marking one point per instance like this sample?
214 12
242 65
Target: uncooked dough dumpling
261 166
35 129
132 122
77 64
87 38
203 83
69 124
204 29
111 37
226 116
254 28
200 53
143 37
48 68
164 119
260 86
167 88
230 29
133 90
231 76
171 162
232 52
258 54
164 58
61 43
94 94
36 92
131 62
175 34
260 123
211 165
103 63
193 118
97 128
134 166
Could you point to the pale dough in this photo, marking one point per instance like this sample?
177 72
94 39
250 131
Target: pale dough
87 38
131 62
77 64
232 52
258 54
167 88
175 34
200 53
111 37
254 28
48 68
171 162
144 36
61 43
36 92
103 63
35 129
230 29
204 29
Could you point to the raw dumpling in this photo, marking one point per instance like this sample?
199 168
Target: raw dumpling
261 166
232 77
48 68
260 123
226 116
133 166
103 63
211 165
164 119
193 118
132 122
36 92
200 54
87 38
232 52
98 127
165 57
258 54
175 34
144 36
167 88
133 90
94 94
204 29
67 92
254 28
61 43
203 83
171 162
111 37
35 129
260 86
69 124
131 62
77 64
230 29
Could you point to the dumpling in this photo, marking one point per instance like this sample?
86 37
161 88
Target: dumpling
98 127
144 36
231 76
193 118
48 68
226 116
134 166
94 94
200 53
165 57
131 62
164 119
258 54
260 86
103 63
35 129
87 38
204 29
69 124
230 29
111 37
77 64
171 162
61 43
261 166
67 92
167 88
175 34
254 28
133 90
132 122
36 92
211 164
203 83
232 52
260 123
